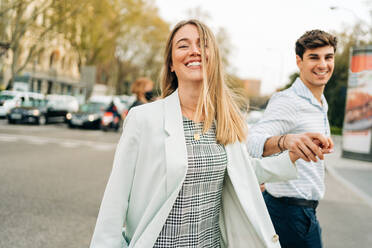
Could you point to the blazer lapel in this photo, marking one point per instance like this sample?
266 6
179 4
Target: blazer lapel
175 144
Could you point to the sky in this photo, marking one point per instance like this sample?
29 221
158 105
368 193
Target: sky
263 33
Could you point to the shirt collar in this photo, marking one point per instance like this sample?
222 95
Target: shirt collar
300 89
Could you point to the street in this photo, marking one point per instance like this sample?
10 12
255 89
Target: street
53 178
52 181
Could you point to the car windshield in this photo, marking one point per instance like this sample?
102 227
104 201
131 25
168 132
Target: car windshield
92 107
33 103
6 97
56 104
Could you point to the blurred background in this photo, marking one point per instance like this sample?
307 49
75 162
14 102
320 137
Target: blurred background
67 70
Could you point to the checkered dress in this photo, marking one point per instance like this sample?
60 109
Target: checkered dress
193 220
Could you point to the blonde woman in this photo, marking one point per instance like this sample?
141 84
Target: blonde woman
181 175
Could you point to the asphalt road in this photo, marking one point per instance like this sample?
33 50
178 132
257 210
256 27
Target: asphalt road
52 180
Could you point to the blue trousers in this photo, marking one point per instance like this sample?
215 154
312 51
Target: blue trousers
296 226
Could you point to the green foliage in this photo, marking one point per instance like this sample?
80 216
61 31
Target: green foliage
335 91
292 78
336 130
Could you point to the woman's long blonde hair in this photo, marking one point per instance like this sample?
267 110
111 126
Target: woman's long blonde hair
215 101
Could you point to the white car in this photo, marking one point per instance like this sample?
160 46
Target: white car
63 102
11 99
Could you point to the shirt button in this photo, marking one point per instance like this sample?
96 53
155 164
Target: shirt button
196 136
275 238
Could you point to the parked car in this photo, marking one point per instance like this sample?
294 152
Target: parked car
29 111
63 102
38 111
10 99
88 116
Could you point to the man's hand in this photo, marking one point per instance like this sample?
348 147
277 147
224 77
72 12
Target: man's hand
307 146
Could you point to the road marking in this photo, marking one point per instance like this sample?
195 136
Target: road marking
69 143
8 139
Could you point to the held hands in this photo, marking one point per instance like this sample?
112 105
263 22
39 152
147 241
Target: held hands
307 146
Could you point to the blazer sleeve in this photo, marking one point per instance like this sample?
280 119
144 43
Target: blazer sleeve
274 168
112 213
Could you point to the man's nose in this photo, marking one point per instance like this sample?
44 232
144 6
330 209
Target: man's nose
322 63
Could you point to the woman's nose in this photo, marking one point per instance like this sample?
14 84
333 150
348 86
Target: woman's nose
195 50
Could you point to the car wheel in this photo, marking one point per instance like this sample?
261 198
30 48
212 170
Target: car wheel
42 120
10 121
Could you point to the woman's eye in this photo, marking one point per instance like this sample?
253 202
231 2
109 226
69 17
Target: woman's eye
183 46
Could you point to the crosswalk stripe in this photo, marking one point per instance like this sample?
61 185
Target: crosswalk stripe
68 143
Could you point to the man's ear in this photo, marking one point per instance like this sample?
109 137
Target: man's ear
298 61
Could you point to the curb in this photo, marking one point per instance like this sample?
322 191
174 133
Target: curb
366 198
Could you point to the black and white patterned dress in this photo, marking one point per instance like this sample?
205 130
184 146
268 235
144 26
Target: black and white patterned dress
193 220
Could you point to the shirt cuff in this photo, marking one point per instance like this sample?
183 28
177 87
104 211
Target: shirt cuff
255 144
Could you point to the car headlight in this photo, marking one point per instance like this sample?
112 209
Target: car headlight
68 116
34 112
91 117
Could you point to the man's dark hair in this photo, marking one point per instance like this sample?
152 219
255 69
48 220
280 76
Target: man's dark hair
314 39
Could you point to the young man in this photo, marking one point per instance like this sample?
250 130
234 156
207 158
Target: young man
296 120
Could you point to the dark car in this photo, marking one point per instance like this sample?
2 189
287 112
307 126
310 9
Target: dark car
36 111
88 116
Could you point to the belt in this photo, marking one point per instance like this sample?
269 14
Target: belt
296 201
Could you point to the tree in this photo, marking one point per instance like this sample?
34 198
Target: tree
139 50
25 24
335 91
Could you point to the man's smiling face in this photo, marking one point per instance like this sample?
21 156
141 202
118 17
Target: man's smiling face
316 66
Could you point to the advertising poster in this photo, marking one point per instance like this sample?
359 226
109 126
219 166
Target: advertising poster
357 131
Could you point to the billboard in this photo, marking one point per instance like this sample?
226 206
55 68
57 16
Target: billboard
357 129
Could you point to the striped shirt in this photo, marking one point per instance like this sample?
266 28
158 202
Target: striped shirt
294 111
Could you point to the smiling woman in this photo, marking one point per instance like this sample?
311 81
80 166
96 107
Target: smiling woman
181 176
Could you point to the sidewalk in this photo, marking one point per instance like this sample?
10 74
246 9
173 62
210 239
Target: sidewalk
345 213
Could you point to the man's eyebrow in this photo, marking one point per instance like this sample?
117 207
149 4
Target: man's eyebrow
313 55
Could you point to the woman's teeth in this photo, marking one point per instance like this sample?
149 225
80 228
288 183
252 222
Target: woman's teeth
194 64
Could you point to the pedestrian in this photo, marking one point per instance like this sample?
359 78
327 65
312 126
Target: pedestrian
289 122
182 176
143 89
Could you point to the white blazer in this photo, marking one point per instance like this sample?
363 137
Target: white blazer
149 168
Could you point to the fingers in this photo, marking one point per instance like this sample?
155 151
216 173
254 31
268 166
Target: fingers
315 149
299 150
324 141
310 155
293 156
327 151
307 146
